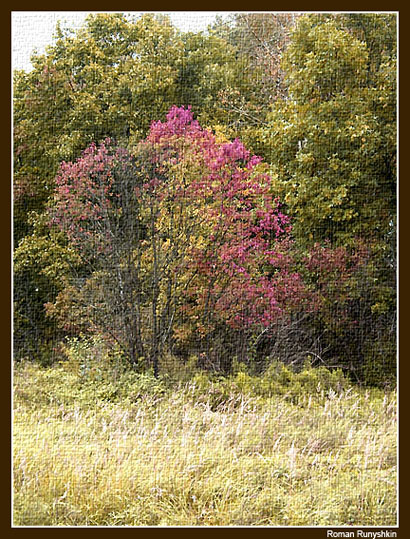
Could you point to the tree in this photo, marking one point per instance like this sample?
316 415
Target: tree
260 40
333 145
108 80
212 263
184 235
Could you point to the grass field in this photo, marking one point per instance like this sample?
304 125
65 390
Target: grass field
129 450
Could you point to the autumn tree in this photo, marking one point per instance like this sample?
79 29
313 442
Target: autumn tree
183 238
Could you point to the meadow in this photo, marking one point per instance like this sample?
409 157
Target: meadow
119 448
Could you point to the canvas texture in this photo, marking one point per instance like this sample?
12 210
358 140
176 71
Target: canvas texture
205 269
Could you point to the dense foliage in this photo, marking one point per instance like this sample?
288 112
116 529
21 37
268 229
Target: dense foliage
143 215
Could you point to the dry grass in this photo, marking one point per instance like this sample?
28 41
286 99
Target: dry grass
92 453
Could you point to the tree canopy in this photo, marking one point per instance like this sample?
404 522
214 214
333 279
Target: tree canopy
229 193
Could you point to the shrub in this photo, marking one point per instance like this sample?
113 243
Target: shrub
91 359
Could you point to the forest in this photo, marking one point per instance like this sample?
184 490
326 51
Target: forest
205 232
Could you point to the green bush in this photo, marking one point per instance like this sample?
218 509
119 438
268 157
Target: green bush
91 359
277 380
280 379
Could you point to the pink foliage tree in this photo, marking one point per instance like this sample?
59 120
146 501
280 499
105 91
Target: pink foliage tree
189 235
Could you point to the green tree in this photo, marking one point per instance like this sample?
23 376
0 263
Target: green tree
110 79
333 143
333 139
